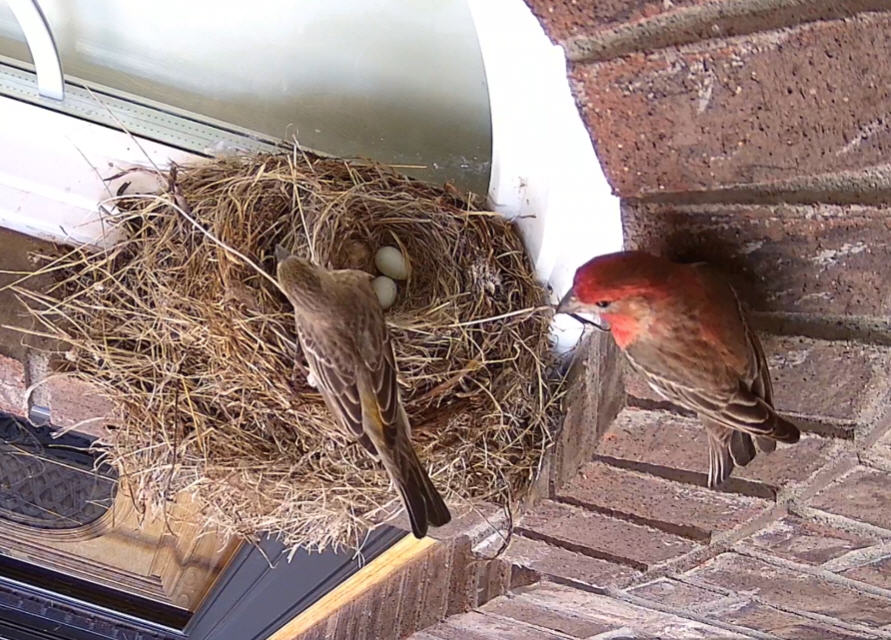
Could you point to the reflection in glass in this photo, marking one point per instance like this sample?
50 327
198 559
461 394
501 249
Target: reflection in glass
50 484
400 82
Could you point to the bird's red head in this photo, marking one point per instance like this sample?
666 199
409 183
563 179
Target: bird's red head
624 289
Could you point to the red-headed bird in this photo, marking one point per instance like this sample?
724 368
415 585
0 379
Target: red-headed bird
683 328
341 328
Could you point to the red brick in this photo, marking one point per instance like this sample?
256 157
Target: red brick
793 591
352 618
12 386
316 632
656 438
436 586
412 600
567 623
475 524
764 108
677 594
681 509
817 378
784 625
493 580
478 626
600 29
446 631
563 19
342 625
877 573
864 494
781 258
551 560
593 400
808 542
881 450
808 382
676 447
601 536
522 576
365 608
73 401
645 623
462 582
384 620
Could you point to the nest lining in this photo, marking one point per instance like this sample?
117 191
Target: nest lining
197 350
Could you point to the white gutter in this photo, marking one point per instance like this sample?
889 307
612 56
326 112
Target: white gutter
543 161
544 169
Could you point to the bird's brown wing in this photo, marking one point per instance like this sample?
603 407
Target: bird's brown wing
367 328
383 385
730 424
384 418
719 369
758 375
388 427
356 345
739 409
696 379
335 374
726 449
379 363
761 385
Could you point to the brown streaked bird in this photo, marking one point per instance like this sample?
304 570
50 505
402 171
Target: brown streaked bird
683 328
341 328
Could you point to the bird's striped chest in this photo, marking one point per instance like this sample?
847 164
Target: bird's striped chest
653 381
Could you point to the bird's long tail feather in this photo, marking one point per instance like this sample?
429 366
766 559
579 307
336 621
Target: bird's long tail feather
424 505
784 431
729 447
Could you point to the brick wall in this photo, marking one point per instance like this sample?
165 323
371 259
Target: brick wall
27 385
753 134
448 580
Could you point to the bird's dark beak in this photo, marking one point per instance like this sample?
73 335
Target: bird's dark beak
281 253
572 306
569 303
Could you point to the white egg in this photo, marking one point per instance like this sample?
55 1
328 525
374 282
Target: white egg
385 289
391 262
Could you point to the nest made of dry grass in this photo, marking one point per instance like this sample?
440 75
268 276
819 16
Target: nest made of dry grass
196 349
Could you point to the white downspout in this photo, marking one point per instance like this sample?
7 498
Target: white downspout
543 162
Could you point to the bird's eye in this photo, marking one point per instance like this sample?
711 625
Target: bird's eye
603 304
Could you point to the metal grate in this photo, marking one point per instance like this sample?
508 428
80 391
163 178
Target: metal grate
141 117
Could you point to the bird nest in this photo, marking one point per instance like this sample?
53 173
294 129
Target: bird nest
195 346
